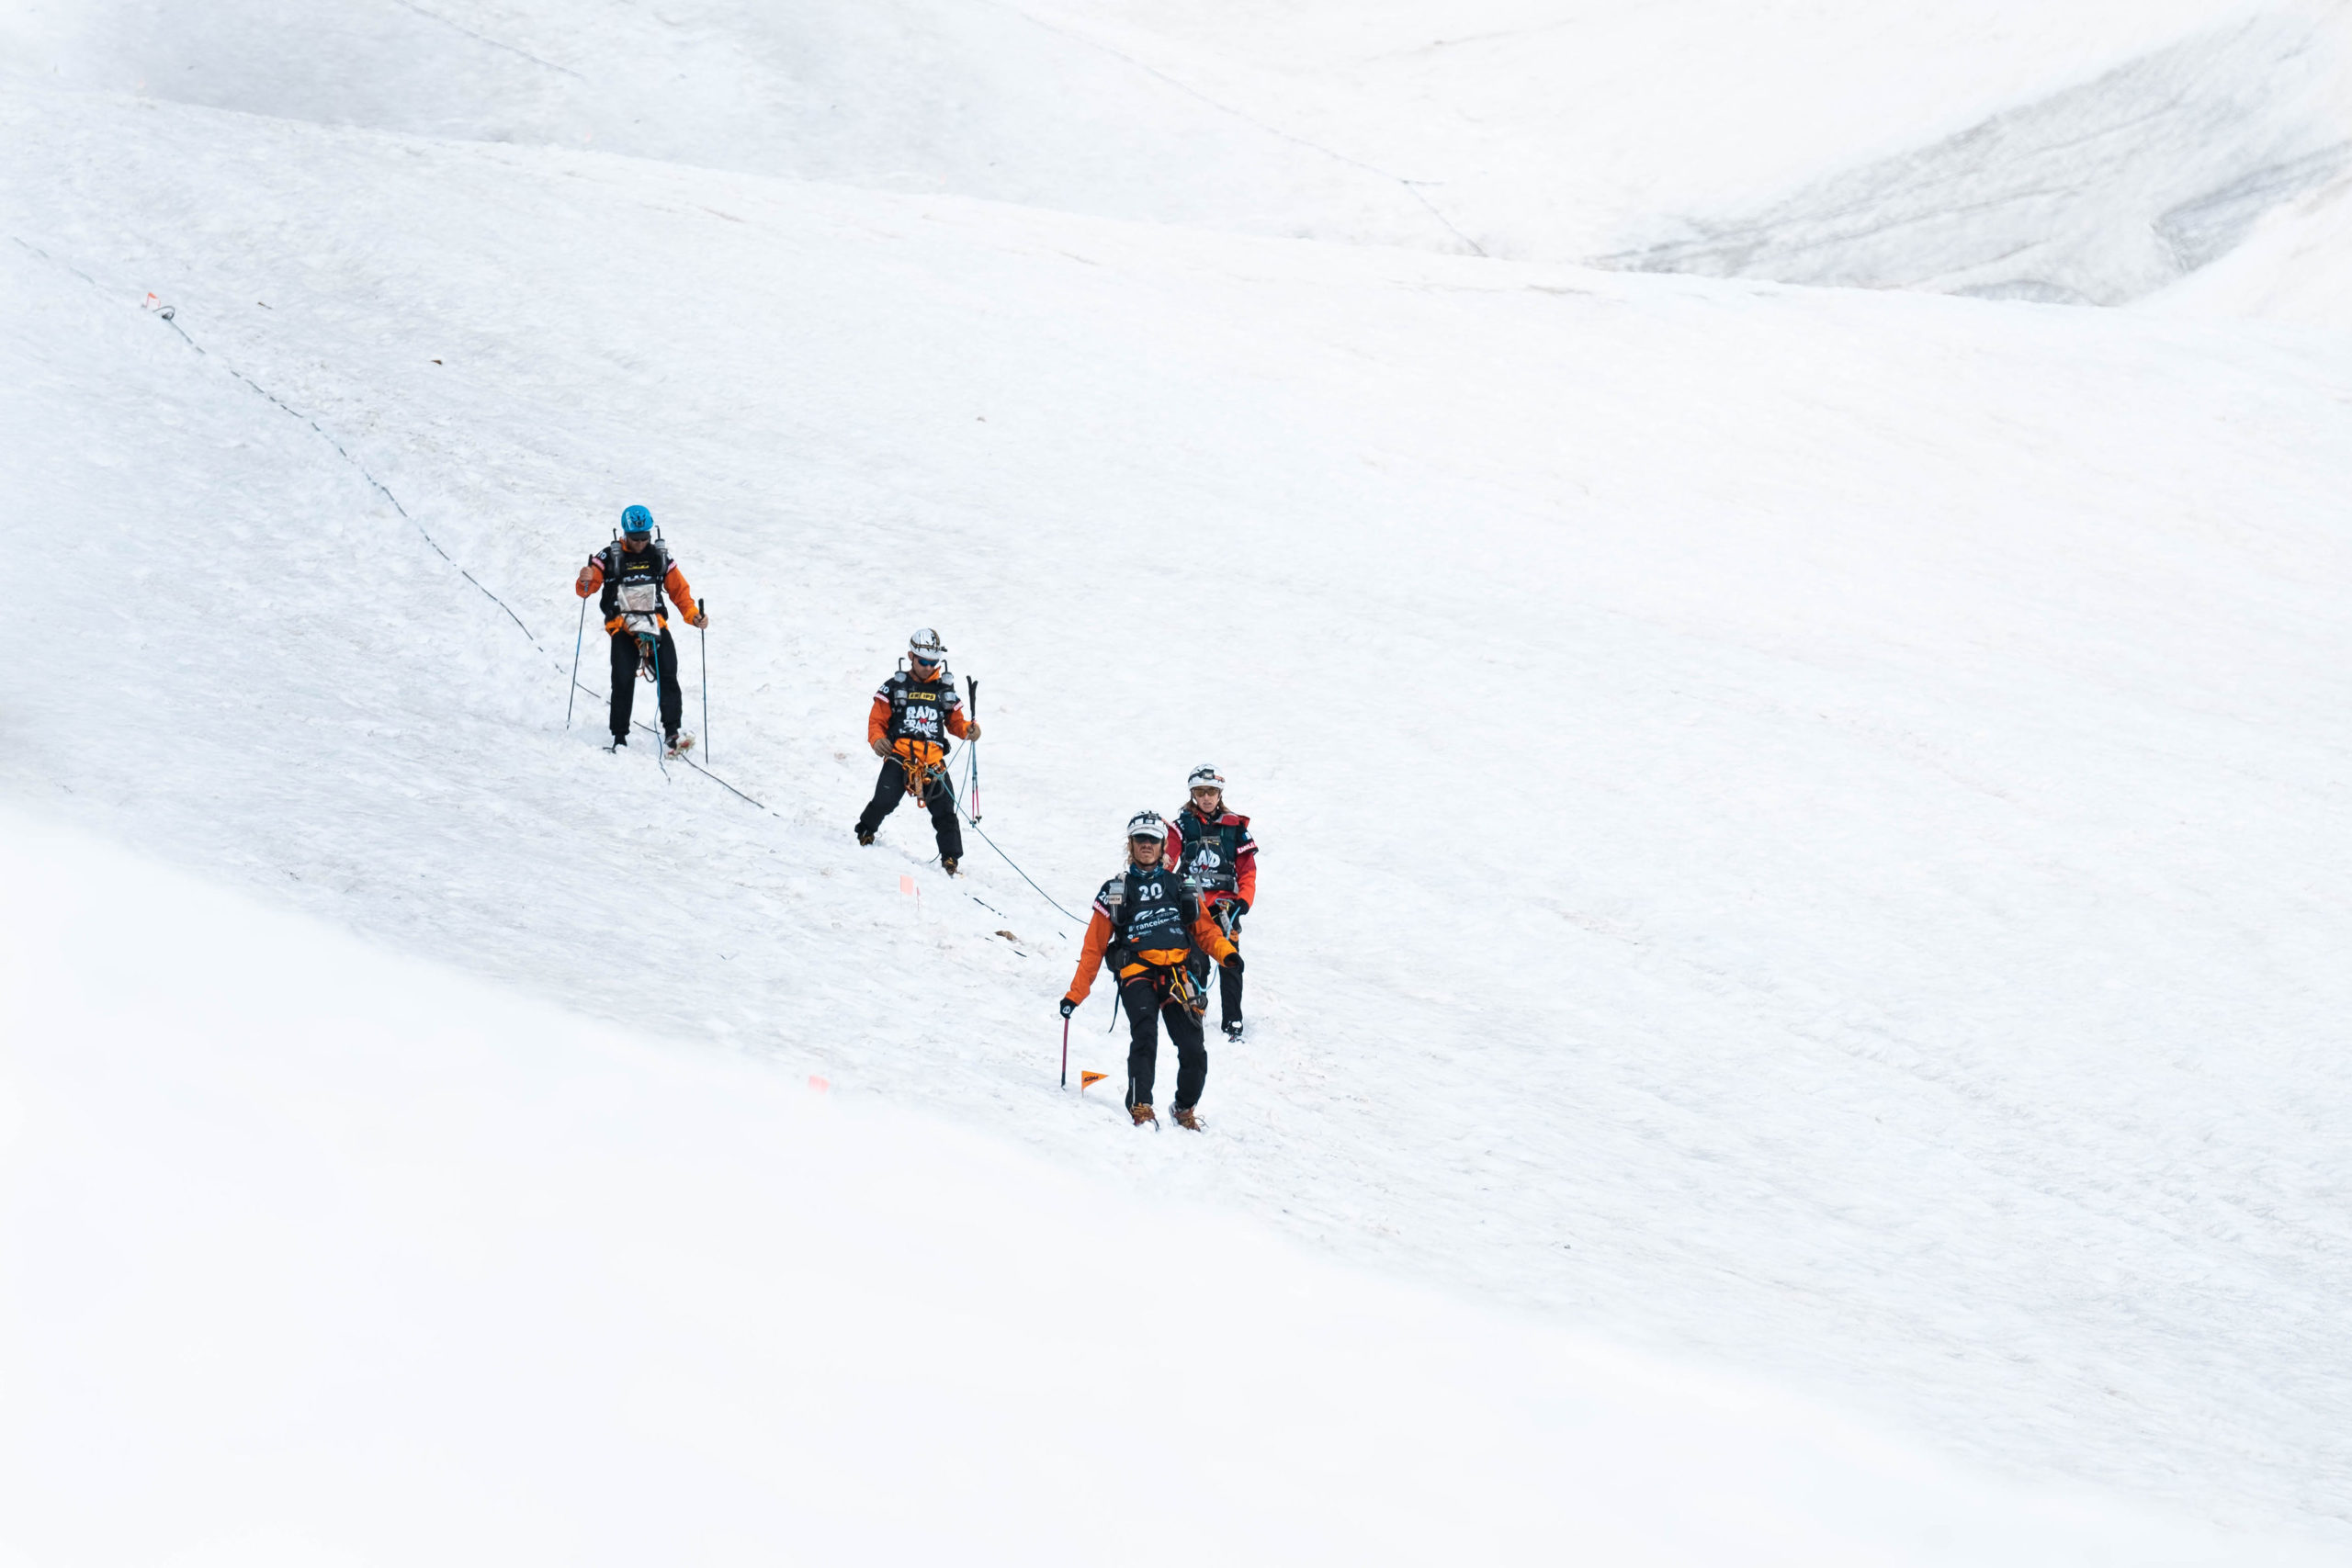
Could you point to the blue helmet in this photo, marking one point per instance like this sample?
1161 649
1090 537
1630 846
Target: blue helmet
637 520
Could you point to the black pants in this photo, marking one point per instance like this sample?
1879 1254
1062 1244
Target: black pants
674 701
1147 1000
939 799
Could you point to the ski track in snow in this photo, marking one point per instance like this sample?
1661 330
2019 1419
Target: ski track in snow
1799 830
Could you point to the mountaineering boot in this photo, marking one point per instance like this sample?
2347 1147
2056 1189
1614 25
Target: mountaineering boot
866 835
1143 1114
678 743
1233 1029
618 741
947 865
1185 1118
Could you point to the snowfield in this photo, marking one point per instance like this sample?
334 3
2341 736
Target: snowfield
484 1282
1803 828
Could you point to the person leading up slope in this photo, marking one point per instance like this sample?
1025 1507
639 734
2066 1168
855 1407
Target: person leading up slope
1213 848
913 714
632 573
1146 924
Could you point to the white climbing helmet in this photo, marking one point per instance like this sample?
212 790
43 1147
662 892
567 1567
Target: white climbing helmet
1147 824
925 648
1206 777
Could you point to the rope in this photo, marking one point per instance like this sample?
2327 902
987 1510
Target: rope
168 314
1006 858
636 723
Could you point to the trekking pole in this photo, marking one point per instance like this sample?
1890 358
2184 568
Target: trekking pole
702 613
1065 1053
659 749
972 756
573 695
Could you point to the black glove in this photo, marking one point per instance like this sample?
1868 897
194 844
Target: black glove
1232 961
1069 1007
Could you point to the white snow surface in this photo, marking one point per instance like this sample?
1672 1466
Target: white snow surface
2091 150
2291 270
397 1267
1802 826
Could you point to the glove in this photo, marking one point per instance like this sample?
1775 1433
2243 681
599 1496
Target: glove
1069 1007
880 749
1244 903
971 732
1232 961
698 619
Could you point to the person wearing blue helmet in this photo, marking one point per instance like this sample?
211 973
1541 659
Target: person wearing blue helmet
630 575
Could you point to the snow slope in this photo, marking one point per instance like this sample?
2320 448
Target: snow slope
1954 144
1802 827
328 1258
2291 269
2100 194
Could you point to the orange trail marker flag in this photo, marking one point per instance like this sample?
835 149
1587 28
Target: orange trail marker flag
1086 1080
906 883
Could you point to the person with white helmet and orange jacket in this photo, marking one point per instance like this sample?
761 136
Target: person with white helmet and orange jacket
1146 925
913 714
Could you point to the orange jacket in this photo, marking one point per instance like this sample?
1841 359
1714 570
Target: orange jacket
1098 941
591 577
878 723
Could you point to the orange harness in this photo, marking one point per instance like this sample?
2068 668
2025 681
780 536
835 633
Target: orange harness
920 771
1172 962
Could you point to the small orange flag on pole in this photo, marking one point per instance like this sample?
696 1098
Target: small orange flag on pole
1086 1080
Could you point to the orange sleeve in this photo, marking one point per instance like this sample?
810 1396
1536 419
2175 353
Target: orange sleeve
877 719
680 594
590 578
958 725
1090 957
1249 888
1205 931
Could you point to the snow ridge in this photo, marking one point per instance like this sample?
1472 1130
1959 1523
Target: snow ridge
2098 195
